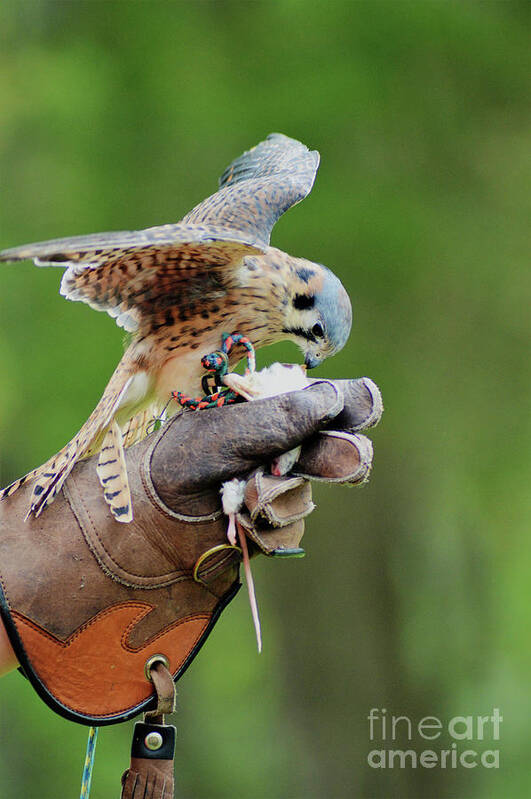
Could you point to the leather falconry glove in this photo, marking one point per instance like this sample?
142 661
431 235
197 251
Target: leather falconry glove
87 602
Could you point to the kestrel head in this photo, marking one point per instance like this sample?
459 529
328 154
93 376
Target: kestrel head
318 316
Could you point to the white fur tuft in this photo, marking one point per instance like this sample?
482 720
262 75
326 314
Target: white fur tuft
232 494
279 378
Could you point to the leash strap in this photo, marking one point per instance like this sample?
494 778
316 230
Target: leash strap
150 774
216 364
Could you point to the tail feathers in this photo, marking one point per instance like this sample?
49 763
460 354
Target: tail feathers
112 473
16 484
50 480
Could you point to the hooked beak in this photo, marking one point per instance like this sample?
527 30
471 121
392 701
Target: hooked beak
311 362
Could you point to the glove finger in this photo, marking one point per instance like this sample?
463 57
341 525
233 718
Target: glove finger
277 501
275 541
336 457
363 406
202 449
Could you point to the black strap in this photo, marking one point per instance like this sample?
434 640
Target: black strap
150 775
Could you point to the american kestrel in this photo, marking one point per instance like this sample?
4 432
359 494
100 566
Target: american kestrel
176 288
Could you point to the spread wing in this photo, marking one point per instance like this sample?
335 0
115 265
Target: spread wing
136 276
258 187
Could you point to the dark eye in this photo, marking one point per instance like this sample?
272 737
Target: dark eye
317 330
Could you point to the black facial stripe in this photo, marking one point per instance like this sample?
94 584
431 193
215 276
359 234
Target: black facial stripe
299 331
302 301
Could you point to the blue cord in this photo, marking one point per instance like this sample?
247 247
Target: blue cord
89 763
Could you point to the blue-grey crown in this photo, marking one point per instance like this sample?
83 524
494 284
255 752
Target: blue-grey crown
336 309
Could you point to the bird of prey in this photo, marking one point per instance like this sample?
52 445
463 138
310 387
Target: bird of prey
176 288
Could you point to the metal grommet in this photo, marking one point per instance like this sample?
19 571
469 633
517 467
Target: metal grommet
201 559
150 662
153 741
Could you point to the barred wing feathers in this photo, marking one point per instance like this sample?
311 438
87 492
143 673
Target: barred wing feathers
134 275
258 187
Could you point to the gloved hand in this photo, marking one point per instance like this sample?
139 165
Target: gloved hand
87 602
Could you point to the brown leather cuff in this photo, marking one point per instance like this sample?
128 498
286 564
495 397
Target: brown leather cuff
96 599
87 601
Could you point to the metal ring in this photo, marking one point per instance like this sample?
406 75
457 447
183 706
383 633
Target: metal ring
150 662
201 559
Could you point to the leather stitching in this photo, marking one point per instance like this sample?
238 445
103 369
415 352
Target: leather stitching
75 500
149 488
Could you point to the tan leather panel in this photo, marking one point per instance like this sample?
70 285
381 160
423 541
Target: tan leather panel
96 671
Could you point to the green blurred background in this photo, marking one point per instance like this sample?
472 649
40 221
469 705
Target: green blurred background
414 595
